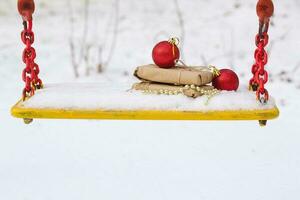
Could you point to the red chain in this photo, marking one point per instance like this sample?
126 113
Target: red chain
264 10
31 71
260 75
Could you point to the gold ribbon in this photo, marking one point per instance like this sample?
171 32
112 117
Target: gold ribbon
175 42
214 70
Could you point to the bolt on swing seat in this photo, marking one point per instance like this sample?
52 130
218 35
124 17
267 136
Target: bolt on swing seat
93 101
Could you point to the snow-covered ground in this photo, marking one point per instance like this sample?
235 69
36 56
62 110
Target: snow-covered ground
52 159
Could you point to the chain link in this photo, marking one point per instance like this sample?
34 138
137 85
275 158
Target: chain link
31 71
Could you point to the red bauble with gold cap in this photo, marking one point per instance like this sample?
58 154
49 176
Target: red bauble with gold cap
166 53
226 80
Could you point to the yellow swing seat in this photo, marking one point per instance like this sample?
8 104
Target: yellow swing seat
98 101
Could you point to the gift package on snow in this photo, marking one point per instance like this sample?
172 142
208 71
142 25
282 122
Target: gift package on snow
170 76
189 81
178 75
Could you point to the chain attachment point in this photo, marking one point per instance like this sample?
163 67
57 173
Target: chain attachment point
31 71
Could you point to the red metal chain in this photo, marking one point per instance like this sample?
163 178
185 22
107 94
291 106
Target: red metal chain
31 71
260 75
265 10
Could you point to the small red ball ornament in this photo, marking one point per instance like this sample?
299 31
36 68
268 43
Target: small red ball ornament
166 53
26 9
227 80
264 10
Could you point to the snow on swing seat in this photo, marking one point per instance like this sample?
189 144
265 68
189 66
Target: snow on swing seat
98 101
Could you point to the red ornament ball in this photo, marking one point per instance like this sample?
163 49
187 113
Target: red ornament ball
264 10
26 9
227 80
165 54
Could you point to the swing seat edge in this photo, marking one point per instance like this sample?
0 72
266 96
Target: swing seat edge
19 111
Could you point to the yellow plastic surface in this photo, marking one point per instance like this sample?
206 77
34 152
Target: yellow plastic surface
48 113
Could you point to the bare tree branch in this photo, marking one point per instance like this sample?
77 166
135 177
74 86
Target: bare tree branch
84 48
204 60
181 24
75 64
115 33
100 60
296 68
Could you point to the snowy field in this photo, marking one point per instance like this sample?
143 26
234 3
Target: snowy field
58 160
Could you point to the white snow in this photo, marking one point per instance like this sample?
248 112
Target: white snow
118 96
161 160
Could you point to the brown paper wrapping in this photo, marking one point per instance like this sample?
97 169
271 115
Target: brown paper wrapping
170 89
177 76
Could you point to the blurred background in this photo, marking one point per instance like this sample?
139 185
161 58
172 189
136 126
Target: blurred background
103 41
